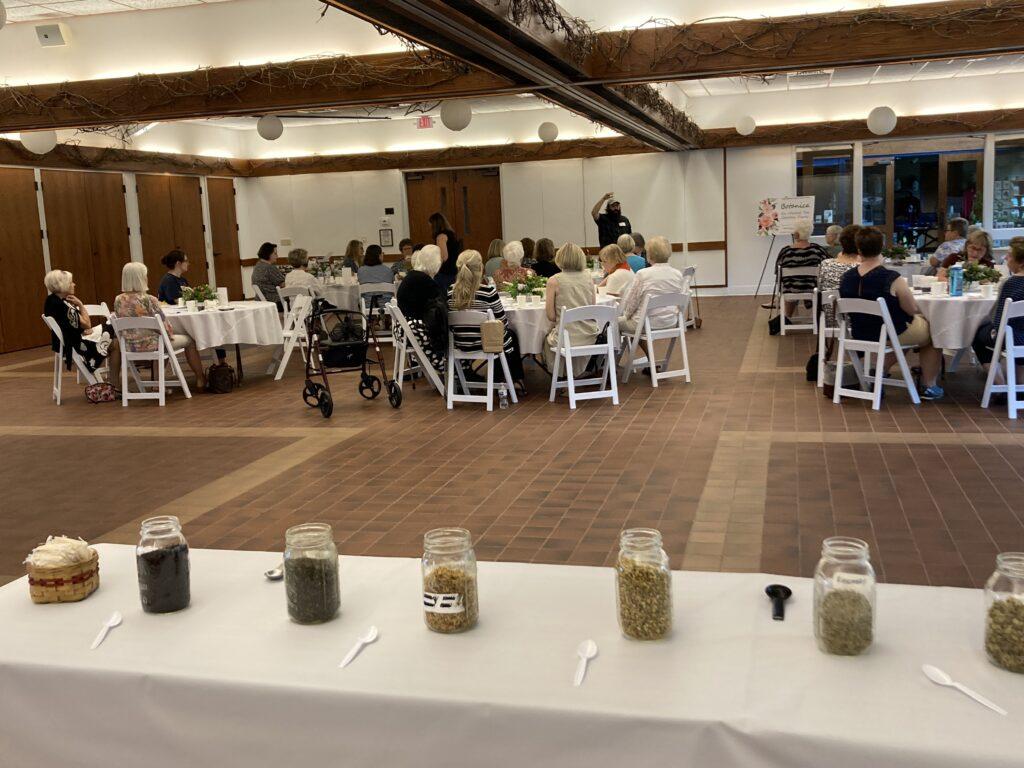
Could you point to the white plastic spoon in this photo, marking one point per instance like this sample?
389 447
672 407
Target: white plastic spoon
114 620
368 637
939 677
587 650
275 574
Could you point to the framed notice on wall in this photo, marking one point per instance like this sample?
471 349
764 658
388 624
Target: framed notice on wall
387 237
779 215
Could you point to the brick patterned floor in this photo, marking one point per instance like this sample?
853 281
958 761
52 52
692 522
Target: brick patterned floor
747 468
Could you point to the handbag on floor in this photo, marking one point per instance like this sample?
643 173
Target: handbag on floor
221 379
100 393
774 325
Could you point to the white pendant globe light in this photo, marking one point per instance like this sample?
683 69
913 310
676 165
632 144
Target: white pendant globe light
39 142
881 120
547 132
270 127
456 115
745 125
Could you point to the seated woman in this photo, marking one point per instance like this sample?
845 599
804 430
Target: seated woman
353 255
529 246
802 253
656 280
545 255
424 307
832 270
618 275
171 284
494 260
134 301
404 264
1011 288
470 292
266 275
977 250
374 271
73 320
298 258
832 243
512 269
870 280
572 287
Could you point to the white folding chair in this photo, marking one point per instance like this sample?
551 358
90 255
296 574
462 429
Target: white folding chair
1006 349
293 328
473 318
826 332
888 341
288 295
259 293
408 348
58 361
164 353
675 332
98 309
365 292
607 318
690 287
798 297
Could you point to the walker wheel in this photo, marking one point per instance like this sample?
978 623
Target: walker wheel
394 394
369 387
326 404
311 394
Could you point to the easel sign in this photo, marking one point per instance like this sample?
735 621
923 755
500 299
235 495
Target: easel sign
780 215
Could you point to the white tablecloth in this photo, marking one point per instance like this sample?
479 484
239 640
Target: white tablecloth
908 269
954 321
231 681
248 322
531 323
342 296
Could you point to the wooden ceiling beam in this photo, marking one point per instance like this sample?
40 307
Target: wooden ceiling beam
961 28
340 81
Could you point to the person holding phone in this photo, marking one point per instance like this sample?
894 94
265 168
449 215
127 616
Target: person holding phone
611 224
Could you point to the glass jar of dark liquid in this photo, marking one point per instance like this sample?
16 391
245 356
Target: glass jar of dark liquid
162 560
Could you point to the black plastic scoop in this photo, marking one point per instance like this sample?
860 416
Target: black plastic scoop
779 594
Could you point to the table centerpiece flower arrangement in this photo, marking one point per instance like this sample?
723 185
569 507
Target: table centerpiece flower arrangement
975 273
534 285
896 253
200 294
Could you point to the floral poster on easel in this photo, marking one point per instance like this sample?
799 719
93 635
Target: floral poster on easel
767 218
780 215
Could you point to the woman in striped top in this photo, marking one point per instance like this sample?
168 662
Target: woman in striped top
470 293
802 253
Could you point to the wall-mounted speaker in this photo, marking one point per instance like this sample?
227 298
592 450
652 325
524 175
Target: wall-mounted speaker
51 35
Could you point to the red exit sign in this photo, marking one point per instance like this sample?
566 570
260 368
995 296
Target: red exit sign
425 121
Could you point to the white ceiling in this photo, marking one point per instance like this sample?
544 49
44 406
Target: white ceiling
26 10
830 78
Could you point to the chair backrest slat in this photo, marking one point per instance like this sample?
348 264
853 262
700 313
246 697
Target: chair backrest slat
366 288
469 317
799 271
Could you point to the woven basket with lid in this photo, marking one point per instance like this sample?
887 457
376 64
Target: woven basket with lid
65 583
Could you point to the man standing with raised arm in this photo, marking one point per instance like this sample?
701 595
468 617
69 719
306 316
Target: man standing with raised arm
611 224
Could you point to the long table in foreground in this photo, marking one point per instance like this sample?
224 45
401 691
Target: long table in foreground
231 681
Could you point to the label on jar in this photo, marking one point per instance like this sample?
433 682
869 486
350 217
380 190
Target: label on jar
443 603
857 582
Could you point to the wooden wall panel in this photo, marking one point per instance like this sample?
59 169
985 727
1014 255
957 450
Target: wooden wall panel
21 263
67 229
224 225
156 224
108 228
187 215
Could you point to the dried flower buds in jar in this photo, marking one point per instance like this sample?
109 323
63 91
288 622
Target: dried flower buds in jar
450 601
643 585
1004 614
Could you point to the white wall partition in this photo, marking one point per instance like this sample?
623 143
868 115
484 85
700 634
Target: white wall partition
704 216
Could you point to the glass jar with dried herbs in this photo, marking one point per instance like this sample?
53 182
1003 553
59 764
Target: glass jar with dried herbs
1004 613
311 573
643 583
450 602
844 597
161 558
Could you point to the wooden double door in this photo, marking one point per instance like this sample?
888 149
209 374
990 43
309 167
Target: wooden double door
87 230
470 198
21 263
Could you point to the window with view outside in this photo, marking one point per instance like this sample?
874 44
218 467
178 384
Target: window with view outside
827 173
1008 191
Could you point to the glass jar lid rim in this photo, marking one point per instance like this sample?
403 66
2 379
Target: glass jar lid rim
311 533
447 539
1011 563
640 535
160 522
845 545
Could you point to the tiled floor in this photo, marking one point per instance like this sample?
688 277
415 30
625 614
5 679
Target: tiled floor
747 468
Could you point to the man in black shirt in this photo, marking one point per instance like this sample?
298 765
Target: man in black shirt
611 224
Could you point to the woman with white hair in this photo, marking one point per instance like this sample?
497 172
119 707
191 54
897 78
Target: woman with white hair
802 253
572 287
423 304
655 280
832 244
135 301
471 293
512 269
68 311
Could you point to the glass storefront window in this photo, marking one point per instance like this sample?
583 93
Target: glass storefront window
1008 201
827 173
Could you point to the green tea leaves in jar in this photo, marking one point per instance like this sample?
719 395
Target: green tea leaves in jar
1004 613
846 623
311 573
450 601
844 597
643 585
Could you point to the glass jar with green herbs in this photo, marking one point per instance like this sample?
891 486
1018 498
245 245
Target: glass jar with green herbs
311 573
844 597
450 599
643 584
1004 613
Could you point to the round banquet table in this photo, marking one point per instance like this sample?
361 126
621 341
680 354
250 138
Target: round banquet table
531 324
954 321
908 269
245 322
342 296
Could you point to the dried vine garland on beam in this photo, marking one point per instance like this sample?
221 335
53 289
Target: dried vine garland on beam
647 98
574 33
110 158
